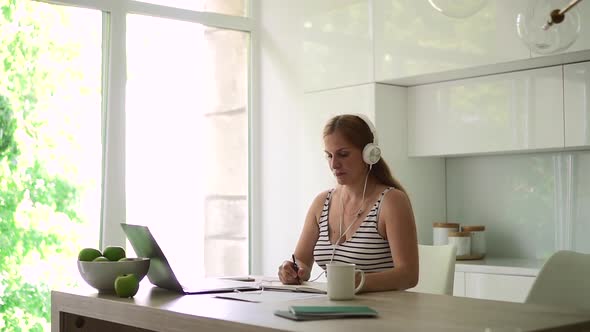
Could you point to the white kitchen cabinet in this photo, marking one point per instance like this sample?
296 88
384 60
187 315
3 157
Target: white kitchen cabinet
496 278
498 286
515 111
412 38
337 44
577 104
512 288
407 42
459 284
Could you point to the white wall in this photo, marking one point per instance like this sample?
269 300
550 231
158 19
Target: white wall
532 204
280 102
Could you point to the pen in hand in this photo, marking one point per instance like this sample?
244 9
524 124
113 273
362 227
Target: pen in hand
296 268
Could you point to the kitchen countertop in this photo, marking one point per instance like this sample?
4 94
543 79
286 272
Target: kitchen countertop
501 265
156 309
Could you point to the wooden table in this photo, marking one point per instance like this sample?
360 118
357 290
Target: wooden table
155 309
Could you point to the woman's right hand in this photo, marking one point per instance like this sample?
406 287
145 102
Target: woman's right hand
288 275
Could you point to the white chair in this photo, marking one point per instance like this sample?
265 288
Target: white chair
564 280
437 269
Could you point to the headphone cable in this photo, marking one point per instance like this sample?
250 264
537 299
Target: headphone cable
342 216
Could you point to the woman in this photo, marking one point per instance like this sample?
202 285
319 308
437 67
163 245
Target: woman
366 220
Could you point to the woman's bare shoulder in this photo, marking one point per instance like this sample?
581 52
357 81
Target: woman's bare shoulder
317 206
321 197
394 192
395 199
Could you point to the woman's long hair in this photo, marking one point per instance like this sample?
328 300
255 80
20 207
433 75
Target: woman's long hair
357 132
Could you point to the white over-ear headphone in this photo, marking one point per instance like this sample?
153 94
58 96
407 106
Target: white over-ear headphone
371 151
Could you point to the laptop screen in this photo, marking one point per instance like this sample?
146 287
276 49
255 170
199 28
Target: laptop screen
145 245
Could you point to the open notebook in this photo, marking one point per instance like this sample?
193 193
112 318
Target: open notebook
275 291
306 287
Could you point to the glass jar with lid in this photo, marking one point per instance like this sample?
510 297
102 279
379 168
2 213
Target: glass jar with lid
440 232
478 240
462 242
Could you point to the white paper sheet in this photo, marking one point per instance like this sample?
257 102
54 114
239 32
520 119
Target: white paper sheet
306 287
267 296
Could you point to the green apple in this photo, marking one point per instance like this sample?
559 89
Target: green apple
114 253
88 254
101 259
126 285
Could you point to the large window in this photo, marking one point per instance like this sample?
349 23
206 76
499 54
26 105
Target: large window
187 142
229 7
114 111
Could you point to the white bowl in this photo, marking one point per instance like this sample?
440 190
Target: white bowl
102 275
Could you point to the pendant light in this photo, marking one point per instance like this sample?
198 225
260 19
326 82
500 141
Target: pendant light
545 28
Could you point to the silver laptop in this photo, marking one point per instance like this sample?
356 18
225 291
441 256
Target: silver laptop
160 273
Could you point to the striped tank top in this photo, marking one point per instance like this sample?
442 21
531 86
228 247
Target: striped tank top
366 248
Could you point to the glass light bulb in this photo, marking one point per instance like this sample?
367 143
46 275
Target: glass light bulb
530 26
458 8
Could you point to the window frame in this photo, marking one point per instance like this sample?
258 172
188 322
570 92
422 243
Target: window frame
113 208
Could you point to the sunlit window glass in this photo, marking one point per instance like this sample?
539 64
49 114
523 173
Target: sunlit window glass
187 142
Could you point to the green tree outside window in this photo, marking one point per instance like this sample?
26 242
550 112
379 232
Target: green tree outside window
40 190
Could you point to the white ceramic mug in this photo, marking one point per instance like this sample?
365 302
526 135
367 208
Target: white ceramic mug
341 280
